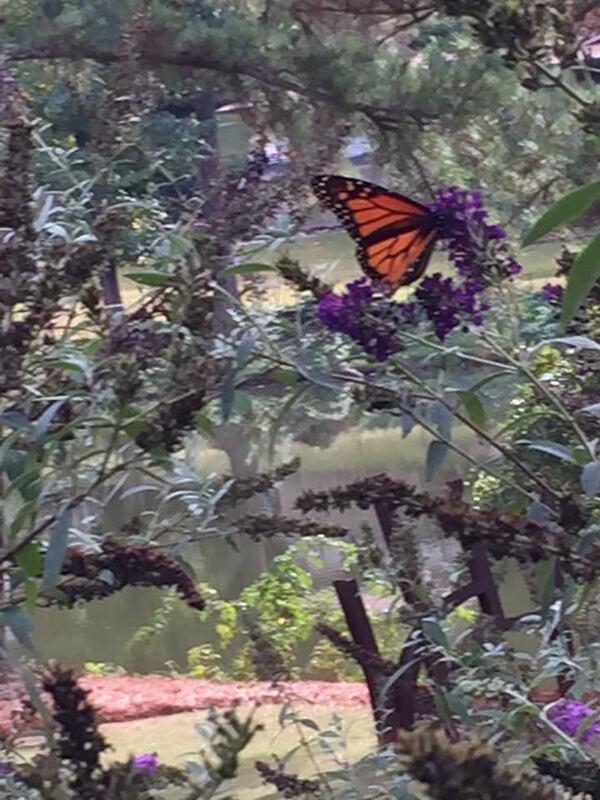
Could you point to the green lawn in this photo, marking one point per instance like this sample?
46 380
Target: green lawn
175 740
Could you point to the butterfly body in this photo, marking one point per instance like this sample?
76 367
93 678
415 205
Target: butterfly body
395 235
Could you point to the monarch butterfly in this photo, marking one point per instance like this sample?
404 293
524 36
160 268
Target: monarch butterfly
395 235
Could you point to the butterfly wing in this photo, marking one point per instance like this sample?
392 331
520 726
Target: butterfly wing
395 235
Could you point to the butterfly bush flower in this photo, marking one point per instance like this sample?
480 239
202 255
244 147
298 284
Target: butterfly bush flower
552 292
480 254
478 250
359 313
568 716
146 762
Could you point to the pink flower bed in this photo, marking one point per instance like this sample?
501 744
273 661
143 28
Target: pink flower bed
120 698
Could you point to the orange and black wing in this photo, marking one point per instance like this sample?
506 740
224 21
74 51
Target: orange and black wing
395 235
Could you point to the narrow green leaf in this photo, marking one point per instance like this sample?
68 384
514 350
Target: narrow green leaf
436 455
580 342
442 418
285 376
319 377
243 269
473 407
590 478
585 724
589 538
204 423
434 631
30 560
245 348
309 723
564 210
546 584
552 448
45 420
279 419
150 278
32 592
15 420
242 403
57 548
581 279
227 396
23 517
457 705
489 378
20 623
407 423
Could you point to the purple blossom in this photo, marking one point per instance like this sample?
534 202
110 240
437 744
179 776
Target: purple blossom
369 319
446 304
6 769
147 762
477 248
568 716
552 292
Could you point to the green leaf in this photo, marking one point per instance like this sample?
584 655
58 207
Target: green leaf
308 723
30 560
15 420
76 362
588 539
436 455
150 278
473 407
442 418
546 584
279 419
581 342
590 478
285 376
227 396
20 623
489 378
45 420
434 631
552 448
205 424
246 346
242 269
23 517
57 548
457 705
242 403
319 377
581 279
585 724
31 595
567 208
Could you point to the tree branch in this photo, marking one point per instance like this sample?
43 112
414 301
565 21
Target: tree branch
387 117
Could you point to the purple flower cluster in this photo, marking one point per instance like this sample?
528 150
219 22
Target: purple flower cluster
369 319
446 305
477 249
568 716
480 254
145 762
552 292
